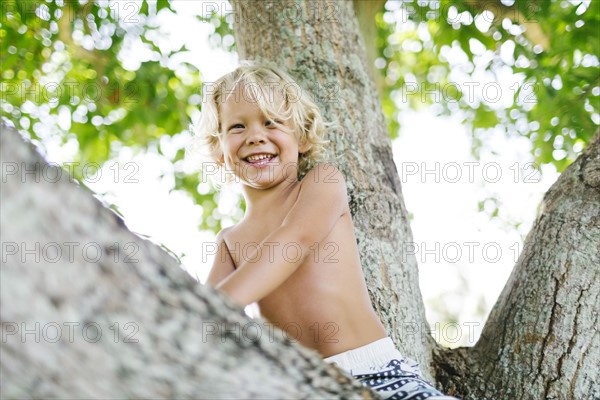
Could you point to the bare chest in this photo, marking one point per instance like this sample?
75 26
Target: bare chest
243 239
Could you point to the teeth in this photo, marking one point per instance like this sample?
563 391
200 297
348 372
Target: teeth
258 157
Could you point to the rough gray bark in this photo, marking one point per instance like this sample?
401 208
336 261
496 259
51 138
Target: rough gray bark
60 303
320 45
546 320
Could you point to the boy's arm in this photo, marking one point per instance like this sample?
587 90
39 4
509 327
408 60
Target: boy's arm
321 202
222 265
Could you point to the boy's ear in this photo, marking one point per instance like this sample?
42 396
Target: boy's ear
304 146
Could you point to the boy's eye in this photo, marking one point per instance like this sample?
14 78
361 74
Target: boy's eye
235 127
272 122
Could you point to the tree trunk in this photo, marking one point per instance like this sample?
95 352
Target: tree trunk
320 45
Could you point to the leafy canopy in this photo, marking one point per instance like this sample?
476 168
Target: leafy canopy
530 67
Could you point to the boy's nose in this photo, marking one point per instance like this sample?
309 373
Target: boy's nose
255 141
255 137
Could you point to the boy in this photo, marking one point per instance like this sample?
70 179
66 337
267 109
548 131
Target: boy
295 251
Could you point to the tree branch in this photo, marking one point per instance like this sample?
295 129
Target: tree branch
533 30
90 310
542 338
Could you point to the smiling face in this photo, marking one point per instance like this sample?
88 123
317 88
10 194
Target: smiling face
261 152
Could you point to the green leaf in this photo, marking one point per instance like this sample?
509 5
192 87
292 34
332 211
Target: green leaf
160 4
144 7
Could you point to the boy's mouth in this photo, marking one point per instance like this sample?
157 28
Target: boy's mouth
260 159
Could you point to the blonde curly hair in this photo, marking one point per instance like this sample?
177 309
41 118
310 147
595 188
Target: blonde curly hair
298 108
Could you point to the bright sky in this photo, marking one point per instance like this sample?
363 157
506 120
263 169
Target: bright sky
464 257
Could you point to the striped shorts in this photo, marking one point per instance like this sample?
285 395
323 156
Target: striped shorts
382 367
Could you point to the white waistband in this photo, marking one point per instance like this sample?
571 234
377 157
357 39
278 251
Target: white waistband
373 355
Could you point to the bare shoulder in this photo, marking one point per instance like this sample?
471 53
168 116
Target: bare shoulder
325 184
234 235
324 173
321 201
224 234
223 265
